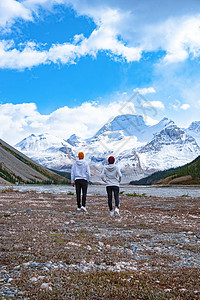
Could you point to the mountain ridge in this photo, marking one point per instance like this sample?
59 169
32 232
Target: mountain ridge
15 167
149 149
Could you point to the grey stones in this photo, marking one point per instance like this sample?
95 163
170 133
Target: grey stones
7 290
66 229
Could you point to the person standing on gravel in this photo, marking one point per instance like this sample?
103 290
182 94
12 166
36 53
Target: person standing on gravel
111 175
80 175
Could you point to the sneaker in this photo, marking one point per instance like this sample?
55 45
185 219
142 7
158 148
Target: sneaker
84 208
112 213
117 210
78 208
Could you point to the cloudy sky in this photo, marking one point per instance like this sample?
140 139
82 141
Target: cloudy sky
69 66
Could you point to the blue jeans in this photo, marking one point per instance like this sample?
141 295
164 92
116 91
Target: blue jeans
110 190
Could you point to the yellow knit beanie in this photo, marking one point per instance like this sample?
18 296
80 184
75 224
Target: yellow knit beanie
81 155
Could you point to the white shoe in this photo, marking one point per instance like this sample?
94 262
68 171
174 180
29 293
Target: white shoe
117 210
84 208
112 213
78 208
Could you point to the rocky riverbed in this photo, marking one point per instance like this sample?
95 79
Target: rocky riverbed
49 250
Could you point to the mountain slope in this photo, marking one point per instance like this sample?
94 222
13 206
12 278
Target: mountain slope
194 131
153 178
16 167
187 174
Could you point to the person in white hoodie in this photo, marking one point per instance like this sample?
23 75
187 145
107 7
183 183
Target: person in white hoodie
111 175
80 175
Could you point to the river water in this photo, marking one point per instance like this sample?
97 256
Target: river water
100 190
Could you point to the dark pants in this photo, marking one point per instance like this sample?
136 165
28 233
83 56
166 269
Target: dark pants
81 184
110 190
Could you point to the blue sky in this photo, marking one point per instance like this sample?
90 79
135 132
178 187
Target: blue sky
67 66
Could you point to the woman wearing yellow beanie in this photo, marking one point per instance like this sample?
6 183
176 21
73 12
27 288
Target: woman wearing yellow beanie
81 155
80 175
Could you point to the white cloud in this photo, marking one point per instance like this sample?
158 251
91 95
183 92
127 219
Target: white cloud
145 91
15 119
12 58
10 10
182 39
33 55
123 29
149 121
185 106
156 104
177 106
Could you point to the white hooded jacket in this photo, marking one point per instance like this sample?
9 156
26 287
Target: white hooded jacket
111 175
80 170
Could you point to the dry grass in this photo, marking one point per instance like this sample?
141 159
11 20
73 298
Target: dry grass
150 252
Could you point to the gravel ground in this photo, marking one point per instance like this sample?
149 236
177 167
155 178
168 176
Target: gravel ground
51 251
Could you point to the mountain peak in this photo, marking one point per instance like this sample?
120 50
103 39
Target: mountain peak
129 124
37 142
195 126
171 135
73 140
165 121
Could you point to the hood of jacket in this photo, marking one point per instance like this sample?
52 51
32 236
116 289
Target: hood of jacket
80 162
110 167
80 170
111 175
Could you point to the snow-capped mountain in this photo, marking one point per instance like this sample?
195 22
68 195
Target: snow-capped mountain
171 147
48 150
40 142
130 126
194 131
74 140
195 127
139 149
124 133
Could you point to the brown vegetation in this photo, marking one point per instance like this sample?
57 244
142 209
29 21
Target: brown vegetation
51 251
